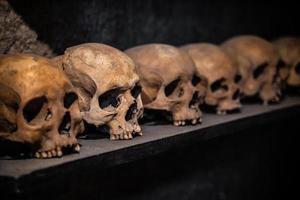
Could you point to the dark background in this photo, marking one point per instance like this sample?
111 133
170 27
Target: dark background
125 23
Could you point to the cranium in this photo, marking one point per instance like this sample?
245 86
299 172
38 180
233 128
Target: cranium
222 90
169 81
289 50
108 87
38 105
256 60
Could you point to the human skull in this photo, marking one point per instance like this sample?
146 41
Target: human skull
222 90
108 87
256 60
289 50
169 81
38 105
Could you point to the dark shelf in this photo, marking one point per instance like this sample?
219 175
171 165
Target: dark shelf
20 175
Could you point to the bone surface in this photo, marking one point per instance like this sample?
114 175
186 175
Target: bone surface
169 81
108 87
289 50
38 105
216 67
256 60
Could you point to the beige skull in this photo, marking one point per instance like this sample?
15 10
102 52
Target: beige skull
256 60
108 88
38 105
289 50
216 67
169 81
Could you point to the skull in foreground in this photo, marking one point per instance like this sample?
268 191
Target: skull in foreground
256 60
289 50
169 81
108 89
216 67
38 105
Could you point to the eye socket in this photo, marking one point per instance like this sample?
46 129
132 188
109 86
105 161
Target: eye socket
259 70
196 80
170 88
237 78
69 99
136 91
110 98
297 68
236 95
217 85
194 100
33 108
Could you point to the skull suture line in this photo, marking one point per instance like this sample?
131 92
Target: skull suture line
256 60
216 67
169 81
107 85
289 50
38 105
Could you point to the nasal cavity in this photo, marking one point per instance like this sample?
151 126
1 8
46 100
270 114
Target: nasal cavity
196 80
195 100
297 68
236 95
65 125
280 64
131 111
237 78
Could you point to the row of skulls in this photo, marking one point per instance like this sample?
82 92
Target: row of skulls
48 103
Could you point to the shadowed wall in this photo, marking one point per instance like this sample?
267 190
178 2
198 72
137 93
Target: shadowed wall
125 23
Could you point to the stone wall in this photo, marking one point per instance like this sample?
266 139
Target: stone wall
17 36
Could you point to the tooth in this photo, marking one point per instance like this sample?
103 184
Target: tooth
49 154
77 148
130 136
140 133
122 136
53 153
137 128
125 137
112 137
37 155
194 121
182 122
59 153
221 112
175 123
200 120
44 154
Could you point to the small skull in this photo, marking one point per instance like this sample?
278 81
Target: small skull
108 87
38 105
222 90
169 81
289 50
256 60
